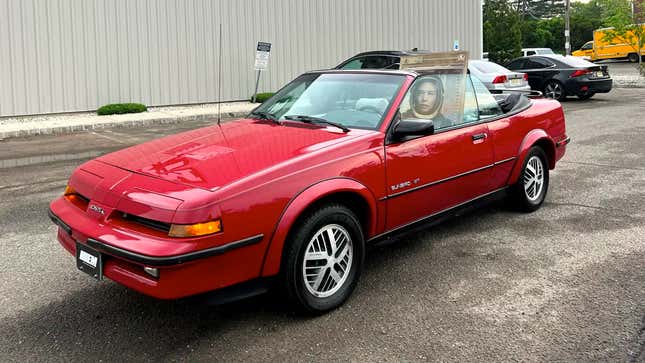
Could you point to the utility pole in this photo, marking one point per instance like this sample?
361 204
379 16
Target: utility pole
567 43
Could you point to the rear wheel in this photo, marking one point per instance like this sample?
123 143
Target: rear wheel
323 259
633 57
554 89
530 190
586 96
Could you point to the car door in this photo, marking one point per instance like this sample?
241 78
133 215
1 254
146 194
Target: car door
502 136
539 70
587 50
428 174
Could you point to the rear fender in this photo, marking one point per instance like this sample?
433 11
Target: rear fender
534 137
299 204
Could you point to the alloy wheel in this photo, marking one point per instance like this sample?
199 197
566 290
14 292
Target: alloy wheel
327 261
553 90
533 178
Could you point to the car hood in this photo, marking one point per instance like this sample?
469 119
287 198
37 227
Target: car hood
214 156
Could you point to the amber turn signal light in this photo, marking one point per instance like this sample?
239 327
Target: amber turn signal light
69 191
194 230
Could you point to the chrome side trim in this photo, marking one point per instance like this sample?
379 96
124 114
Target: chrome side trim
505 160
437 182
435 214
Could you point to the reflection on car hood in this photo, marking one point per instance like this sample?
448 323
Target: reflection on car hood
213 156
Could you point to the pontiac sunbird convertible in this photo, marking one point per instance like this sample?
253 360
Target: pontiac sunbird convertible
291 195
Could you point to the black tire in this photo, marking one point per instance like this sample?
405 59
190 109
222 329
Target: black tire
554 89
633 57
586 96
520 195
294 281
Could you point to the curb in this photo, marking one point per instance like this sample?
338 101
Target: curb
116 123
630 85
629 82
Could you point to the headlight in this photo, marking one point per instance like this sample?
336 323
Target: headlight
72 195
194 230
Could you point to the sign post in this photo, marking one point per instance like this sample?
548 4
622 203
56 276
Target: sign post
262 53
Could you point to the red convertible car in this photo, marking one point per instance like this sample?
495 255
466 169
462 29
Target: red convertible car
293 193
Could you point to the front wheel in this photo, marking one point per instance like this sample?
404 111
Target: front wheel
530 190
323 259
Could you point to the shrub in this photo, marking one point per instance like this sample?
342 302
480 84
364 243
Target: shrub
119 108
261 97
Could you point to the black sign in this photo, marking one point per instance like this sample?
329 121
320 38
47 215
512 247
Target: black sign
264 47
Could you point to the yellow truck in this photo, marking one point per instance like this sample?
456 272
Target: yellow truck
618 48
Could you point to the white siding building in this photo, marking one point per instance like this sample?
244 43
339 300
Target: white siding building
77 55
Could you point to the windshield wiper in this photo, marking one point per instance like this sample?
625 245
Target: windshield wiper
315 120
264 115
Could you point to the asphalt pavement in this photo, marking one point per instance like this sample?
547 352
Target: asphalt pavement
565 283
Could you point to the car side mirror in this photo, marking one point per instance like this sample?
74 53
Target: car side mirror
412 127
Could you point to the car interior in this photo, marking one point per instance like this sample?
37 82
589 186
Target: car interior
511 102
508 102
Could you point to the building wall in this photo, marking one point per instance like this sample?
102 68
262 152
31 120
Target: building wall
77 55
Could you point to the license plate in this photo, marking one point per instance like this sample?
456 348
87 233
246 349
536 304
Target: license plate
516 82
89 261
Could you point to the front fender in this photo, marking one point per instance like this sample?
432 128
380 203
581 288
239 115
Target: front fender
301 202
537 136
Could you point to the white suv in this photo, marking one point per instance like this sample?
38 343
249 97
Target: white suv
536 51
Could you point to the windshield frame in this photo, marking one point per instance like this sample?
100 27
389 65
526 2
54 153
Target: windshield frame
388 109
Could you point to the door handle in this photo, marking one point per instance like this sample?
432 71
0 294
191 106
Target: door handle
481 136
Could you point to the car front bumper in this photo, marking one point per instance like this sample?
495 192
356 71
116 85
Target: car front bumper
179 274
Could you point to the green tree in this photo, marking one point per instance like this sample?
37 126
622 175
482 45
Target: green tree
632 35
585 18
618 15
555 26
502 31
534 34
538 9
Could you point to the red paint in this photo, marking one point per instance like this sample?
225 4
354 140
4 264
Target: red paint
500 79
579 72
259 177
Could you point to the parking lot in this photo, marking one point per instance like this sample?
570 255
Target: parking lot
620 67
565 283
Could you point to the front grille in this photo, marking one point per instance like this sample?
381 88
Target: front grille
150 223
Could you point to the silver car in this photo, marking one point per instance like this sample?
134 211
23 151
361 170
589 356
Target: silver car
496 77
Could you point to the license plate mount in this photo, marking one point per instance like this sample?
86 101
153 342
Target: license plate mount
89 261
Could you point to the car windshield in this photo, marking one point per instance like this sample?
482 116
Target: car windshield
355 100
544 51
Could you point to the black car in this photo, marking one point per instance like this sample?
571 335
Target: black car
559 76
383 59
